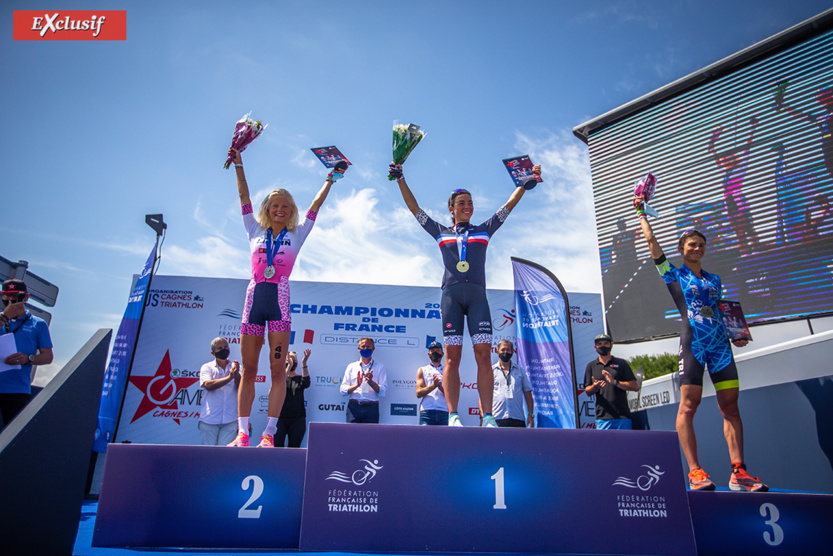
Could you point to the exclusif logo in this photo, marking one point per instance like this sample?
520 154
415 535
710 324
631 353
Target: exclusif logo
70 25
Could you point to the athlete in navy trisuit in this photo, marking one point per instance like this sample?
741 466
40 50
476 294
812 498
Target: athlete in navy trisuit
704 345
463 248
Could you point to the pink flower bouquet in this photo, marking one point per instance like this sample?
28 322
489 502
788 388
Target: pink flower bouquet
246 130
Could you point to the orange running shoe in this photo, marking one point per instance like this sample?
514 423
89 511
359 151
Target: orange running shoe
242 440
699 480
743 481
266 441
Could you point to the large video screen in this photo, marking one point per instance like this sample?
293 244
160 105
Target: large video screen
747 159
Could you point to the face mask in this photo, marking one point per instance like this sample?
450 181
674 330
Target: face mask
366 353
505 357
292 366
435 357
222 353
15 298
603 351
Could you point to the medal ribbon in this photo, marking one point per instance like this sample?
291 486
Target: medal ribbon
272 249
461 248
704 292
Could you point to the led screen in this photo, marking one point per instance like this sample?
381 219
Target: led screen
747 159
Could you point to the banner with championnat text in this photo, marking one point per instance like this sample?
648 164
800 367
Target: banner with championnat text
184 314
545 345
115 377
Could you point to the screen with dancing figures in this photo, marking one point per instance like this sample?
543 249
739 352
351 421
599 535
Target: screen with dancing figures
747 159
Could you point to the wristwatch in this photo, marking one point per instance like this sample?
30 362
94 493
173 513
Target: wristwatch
31 358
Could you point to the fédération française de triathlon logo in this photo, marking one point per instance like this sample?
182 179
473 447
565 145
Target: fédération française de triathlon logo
70 25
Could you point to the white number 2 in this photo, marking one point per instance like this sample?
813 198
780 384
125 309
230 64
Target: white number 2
777 535
257 490
500 502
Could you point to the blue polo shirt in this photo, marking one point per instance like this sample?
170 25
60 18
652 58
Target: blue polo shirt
30 334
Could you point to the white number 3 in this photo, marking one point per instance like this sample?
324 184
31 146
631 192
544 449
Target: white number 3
777 536
257 490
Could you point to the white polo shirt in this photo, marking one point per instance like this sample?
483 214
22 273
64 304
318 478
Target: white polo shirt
219 406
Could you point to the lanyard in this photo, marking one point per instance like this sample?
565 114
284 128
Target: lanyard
703 292
461 248
272 249
8 329
362 372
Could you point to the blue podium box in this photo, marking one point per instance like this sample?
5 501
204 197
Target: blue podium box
740 523
200 497
395 488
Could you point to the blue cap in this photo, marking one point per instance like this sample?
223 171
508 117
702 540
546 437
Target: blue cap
435 344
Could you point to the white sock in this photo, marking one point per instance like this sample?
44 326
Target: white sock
243 425
271 426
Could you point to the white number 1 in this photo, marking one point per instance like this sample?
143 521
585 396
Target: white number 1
500 502
257 490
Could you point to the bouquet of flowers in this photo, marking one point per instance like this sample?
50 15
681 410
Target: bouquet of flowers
405 140
246 130
645 188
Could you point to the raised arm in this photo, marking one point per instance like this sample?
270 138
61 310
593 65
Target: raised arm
647 231
242 186
395 170
321 196
721 161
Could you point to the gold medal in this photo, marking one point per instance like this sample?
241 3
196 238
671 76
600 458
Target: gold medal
462 266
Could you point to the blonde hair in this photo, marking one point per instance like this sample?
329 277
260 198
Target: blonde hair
263 212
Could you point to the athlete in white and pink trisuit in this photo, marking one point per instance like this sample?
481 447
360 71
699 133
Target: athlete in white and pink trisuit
275 238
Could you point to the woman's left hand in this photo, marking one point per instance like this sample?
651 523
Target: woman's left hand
740 343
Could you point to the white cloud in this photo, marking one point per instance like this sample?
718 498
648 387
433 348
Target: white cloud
213 256
359 239
355 241
554 225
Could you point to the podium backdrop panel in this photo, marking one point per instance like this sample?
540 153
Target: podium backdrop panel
200 497
761 523
389 488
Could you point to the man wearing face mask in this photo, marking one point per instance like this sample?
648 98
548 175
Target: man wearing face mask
33 346
365 381
610 379
433 409
511 388
220 379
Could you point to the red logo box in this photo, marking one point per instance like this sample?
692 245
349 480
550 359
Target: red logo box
70 25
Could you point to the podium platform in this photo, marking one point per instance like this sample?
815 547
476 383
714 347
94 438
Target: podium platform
405 489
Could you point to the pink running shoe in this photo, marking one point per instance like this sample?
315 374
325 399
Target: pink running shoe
266 441
242 440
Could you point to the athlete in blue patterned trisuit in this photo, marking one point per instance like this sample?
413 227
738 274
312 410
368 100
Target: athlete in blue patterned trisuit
463 248
704 344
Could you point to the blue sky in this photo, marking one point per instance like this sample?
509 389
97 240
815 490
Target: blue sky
98 134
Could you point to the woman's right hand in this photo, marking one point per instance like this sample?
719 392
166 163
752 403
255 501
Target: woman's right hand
639 204
395 170
235 154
